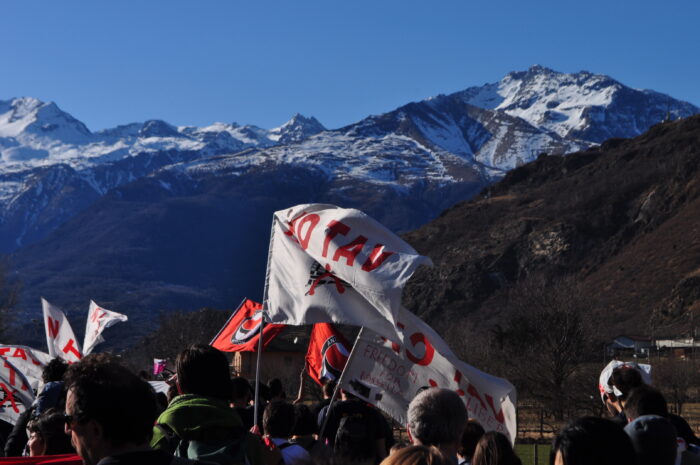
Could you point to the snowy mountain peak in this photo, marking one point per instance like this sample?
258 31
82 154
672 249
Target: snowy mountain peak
296 129
583 105
158 128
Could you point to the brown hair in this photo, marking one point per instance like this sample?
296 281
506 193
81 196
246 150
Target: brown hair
494 449
417 455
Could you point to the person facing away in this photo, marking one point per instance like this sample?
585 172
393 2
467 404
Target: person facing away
592 441
417 455
278 423
470 438
437 417
199 422
109 414
494 448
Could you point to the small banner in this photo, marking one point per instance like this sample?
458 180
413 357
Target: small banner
605 388
59 335
389 375
98 320
159 365
241 331
328 352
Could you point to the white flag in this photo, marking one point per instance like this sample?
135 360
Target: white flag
97 321
59 335
605 375
330 264
16 392
389 375
30 362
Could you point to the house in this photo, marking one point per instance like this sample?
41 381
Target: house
630 345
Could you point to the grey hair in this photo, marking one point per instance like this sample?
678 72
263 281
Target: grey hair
437 416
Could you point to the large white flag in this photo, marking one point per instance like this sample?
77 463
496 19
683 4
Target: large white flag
59 335
389 375
30 362
16 392
97 321
331 264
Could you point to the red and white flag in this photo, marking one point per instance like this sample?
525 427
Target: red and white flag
59 335
242 330
327 354
389 375
98 320
331 264
30 362
16 392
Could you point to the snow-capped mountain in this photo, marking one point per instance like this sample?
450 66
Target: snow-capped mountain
163 199
585 106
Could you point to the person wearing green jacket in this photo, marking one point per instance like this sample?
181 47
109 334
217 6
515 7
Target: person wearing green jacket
199 423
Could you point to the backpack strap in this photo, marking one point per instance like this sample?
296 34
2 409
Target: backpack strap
285 445
172 440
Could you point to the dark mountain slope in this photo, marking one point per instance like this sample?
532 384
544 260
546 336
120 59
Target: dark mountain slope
623 218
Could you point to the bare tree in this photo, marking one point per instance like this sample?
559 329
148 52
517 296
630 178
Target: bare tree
548 334
675 378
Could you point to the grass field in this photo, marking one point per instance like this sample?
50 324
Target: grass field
527 453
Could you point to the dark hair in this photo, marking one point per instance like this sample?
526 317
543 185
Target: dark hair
417 455
276 388
354 439
106 391
54 370
470 437
625 378
278 419
494 448
593 441
645 400
328 388
50 426
304 421
203 370
240 388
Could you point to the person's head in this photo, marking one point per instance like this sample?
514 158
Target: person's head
353 440
304 421
654 440
494 448
592 441
241 391
470 437
645 400
108 408
277 389
54 370
328 388
203 370
278 419
624 379
417 455
436 417
47 435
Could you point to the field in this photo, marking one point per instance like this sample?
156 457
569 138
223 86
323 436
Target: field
533 454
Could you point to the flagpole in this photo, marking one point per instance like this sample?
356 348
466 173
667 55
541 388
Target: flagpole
265 304
234 313
339 383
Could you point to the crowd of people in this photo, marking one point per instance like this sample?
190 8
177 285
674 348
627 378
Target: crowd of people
107 415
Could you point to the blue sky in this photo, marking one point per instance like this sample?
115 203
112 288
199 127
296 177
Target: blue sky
259 62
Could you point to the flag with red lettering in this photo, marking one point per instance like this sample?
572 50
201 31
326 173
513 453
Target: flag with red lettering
327 354
242 330
59 335
29 361
389 375
98 320
331 264
16 392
